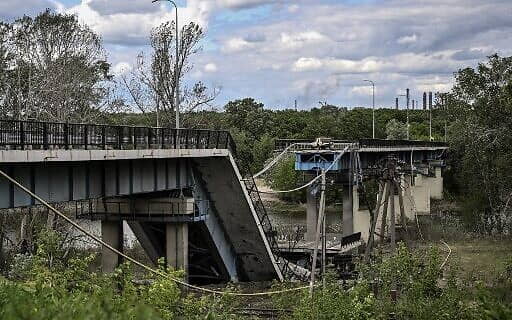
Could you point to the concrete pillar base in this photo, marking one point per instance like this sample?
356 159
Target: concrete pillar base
111 233
311 215
176 239
348 210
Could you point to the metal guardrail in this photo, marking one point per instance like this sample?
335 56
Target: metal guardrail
21 135
262 214
140 210
307 144
382 143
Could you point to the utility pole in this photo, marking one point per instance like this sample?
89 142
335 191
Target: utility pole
430 114
407 112
319 228
324 238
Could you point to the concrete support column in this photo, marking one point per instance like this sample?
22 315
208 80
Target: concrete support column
348 210
417 197
311 214
176 239
361 216
436 184
111 233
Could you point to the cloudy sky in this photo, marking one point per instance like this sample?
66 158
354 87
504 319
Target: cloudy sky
310 50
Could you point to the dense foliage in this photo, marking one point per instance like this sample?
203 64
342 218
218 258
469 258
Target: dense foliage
42 288
480 115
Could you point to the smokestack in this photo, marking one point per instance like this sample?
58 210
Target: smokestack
430 100
396 103
424 101
407 96
413 104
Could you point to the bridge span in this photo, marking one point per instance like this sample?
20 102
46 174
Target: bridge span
183 192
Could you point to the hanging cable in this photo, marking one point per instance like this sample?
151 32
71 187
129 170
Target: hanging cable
274 161
314 179
136 262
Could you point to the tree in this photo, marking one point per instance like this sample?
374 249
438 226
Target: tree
396 130
479 110
153 86
5 60
248 115
59 71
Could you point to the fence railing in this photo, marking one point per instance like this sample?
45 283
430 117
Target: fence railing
21 135
382 143
140 209
261 212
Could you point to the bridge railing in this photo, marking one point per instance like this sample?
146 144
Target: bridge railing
132 209
383 143
22 135
308 144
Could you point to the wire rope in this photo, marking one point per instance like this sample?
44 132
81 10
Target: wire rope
136 262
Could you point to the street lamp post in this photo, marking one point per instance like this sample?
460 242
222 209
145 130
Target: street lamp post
176 76
373 107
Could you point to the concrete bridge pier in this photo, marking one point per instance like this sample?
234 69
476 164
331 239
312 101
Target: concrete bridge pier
112 234
436 184
176 251
348 210
311 213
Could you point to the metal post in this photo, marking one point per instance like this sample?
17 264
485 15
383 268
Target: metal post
317 235
119 137
407 112
45 136
430 115
66 136
86 136
373 107
22 135
324 239
103 137
392 225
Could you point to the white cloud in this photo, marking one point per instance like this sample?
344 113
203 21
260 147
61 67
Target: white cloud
407 39
363 91
210 67
131 24
307 64
296 40
244 4
236 45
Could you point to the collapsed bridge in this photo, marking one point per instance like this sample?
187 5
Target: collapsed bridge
184 192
